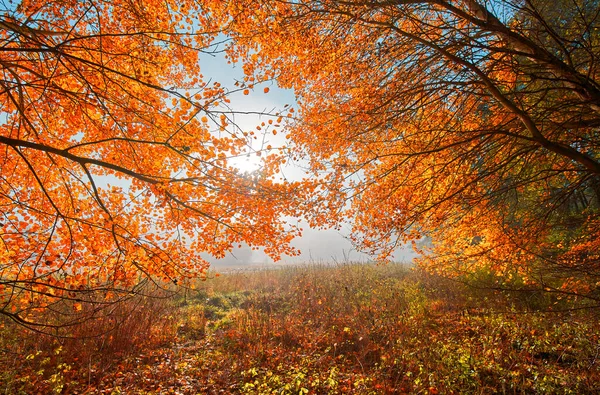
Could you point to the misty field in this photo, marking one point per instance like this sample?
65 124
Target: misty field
352 328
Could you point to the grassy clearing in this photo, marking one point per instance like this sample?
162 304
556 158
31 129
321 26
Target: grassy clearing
359 329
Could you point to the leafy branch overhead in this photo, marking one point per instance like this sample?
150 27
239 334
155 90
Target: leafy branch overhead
115 152
474 124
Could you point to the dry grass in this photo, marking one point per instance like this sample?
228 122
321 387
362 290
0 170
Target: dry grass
318 329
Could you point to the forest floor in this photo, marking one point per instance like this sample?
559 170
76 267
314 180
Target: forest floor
344 329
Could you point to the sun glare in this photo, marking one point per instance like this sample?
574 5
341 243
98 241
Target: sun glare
247 163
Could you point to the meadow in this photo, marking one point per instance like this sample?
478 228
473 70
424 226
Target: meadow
319 329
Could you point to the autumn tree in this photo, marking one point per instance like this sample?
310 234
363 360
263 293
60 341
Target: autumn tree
473 122
114 156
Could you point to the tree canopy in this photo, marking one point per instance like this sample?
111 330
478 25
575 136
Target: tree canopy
114 155
474 123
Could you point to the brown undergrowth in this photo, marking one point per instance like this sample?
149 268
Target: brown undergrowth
361 329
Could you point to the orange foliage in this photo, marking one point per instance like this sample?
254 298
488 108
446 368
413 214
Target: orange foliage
474 126
114 154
